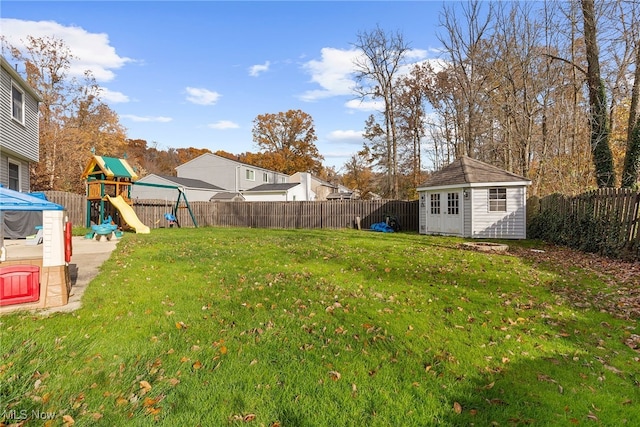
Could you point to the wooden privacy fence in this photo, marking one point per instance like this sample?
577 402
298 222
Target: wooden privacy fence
322 214
605 221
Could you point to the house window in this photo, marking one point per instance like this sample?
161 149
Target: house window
283 180
453 203
14 176
435 204
251 175
265 177
498 199
17 104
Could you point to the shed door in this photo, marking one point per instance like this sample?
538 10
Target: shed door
444 213
452 219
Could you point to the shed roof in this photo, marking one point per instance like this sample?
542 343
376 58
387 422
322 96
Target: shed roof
11 200
466 170
110 167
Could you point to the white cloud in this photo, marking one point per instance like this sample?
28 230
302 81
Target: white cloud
113 96
202 96
346 136
365 105
92 51
255 70
157 119
333 72
224 124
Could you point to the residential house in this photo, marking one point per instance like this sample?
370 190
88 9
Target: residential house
165 187
469 198
229 174
19 129
285 192
19 146
322 189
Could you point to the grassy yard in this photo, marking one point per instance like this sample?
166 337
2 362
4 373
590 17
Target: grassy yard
190 327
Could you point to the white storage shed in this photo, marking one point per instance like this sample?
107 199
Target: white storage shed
470 198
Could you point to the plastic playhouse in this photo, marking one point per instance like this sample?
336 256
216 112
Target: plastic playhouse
109 201
38 280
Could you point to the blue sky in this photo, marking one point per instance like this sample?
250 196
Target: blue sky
196 74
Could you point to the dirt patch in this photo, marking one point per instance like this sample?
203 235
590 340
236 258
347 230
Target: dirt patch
486 246
620 297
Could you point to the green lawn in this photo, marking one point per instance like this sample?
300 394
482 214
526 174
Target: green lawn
213 326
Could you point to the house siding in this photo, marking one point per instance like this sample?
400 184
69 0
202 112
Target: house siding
16 139
499 225
23 169
143 192
226 173
422 212
467 212
296 193
19 142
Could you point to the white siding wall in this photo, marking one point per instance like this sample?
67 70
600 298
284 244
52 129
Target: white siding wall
422 211
501 225
296 193
468 214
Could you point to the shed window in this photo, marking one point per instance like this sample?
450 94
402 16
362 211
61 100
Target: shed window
435 204
251 175
453 203
14 176
17 104
265 177
498 199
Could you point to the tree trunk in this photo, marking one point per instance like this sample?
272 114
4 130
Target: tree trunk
600 150
631 170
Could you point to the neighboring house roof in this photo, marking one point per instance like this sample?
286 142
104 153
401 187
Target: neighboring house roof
226 196
16 76
341 196
273 187
229 160
189 182
15 201
466 170
110 167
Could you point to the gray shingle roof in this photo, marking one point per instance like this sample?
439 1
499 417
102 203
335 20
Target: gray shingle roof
190 183
466 170
274 187
226 196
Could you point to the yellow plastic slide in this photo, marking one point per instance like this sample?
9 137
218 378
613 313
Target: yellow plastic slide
129 215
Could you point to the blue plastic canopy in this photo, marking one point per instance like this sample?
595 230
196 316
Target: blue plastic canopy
11 200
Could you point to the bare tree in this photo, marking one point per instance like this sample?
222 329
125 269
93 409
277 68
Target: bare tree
465 53
631 170
383 54
600 149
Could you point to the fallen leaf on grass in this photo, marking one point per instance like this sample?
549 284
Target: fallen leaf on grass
181 325
144 387
457 408
334 375
68 420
